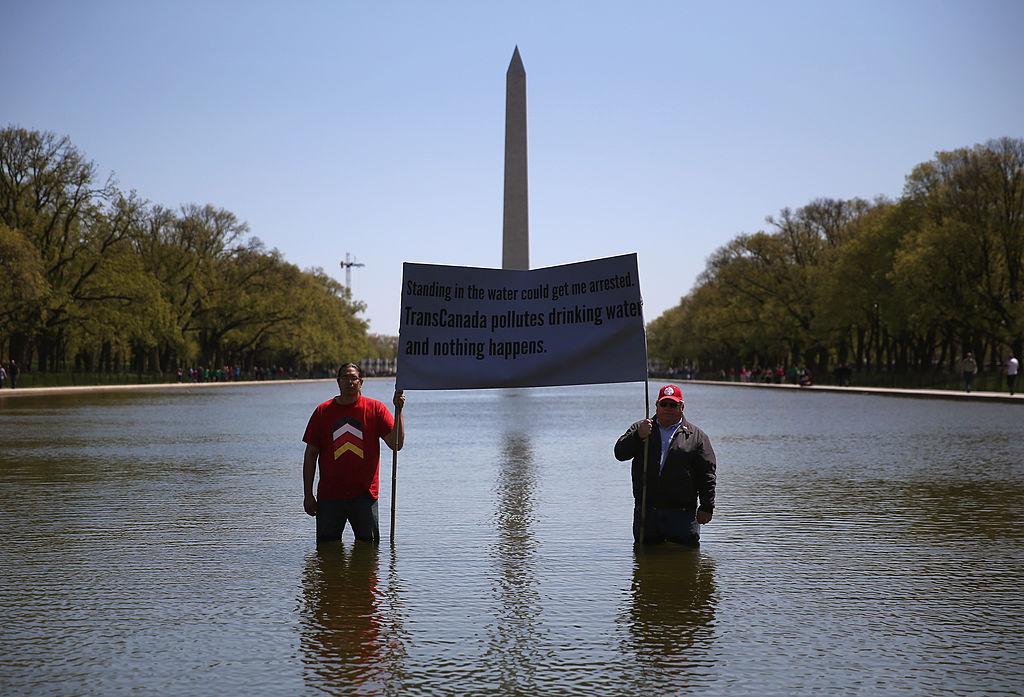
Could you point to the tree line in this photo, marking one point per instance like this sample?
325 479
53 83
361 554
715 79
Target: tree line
94 278
896 286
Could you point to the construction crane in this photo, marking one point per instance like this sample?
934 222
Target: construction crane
347 265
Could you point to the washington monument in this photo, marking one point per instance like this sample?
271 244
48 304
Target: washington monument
515 248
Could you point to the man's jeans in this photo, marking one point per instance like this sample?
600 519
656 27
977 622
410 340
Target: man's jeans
360 511
672 524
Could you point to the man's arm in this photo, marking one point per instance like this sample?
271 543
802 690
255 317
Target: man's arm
308 470
707 479
396 439
628 444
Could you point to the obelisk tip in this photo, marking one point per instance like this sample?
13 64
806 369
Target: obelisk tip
517 61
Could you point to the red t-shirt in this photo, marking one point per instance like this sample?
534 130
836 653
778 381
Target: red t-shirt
348 437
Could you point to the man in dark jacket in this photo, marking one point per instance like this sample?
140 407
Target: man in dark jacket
680 471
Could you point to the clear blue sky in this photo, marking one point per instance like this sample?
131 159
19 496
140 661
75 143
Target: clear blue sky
664 128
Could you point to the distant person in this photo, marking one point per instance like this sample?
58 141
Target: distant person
12 373
680 473
969 368
343 438
843 373
1012 367
806 377
3 375
791 374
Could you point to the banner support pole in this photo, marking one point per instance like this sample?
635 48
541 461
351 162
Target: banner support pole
394 454
647 443
647 446
394 491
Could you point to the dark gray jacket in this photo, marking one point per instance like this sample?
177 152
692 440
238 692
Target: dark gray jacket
689 471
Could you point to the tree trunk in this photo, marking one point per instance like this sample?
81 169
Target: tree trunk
106 358
861 334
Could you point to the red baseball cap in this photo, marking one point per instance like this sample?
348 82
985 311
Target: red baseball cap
670 392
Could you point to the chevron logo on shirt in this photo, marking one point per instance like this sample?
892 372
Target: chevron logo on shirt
348 437
349 448
348 428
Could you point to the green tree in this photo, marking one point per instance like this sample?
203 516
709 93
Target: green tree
967 255
23 286
49 193
892 285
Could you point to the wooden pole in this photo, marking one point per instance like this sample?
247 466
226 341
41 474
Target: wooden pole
394 469
394 490
647 446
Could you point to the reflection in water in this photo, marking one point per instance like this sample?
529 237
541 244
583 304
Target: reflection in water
944 509
671 614
512 643
351 634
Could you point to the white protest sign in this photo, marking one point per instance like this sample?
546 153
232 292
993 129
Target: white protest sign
464 327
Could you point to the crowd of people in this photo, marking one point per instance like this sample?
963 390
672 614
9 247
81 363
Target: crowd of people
373 367
843 374
230 373
777 375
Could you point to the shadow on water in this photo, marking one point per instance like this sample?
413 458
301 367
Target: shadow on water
670 616
351 635
513 635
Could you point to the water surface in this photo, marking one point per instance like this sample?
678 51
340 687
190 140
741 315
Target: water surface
155 542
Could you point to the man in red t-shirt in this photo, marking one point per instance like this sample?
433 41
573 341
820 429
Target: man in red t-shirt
343 437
